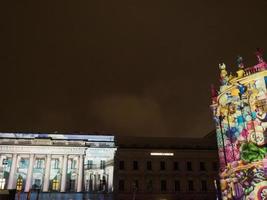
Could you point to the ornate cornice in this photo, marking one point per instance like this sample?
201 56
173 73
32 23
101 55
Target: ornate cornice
42 150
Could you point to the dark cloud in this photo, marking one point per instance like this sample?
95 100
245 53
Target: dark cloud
132 67
133 115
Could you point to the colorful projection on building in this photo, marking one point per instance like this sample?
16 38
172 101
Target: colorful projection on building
240 114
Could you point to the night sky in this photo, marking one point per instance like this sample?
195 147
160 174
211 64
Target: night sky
138 68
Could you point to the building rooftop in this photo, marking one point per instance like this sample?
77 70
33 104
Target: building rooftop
205 143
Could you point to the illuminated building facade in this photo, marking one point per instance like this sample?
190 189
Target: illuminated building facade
166 168
240 114
57 162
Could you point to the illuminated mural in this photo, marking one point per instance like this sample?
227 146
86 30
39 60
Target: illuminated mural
240 114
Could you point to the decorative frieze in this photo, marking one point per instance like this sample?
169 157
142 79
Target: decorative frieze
41 150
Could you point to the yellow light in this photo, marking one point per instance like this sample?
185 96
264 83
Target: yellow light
161 154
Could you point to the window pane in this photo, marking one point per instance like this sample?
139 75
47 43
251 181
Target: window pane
190 185
177 185
102 164
135 165
121 185
89 164
149 185
136 185
204 185
162 165
149 165
175 166
189 166
163 185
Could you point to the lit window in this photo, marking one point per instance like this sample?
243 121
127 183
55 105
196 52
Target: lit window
55 185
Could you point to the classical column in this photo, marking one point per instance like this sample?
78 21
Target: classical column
47 173
80 174
29 174
11 179
64 174
110 178
95 182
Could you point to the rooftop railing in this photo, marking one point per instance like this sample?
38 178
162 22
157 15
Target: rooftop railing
257 68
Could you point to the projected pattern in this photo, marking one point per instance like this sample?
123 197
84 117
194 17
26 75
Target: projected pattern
240 114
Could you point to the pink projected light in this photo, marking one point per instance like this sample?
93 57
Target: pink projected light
240 114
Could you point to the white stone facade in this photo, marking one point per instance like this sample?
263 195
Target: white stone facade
57 162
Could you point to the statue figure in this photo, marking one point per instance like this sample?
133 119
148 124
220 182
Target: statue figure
224 74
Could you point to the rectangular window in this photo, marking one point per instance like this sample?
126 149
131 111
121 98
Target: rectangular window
162 165
23 164
89 164
189 166
56 163
39 163
202 166
149 165
190 185
175 166
136 185
177 186
73 164
121 165
37 183
102 164
121 185
149 185
135 165
204 185
163 185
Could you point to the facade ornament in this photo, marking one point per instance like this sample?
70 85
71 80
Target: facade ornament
240 72
259 54
224 74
